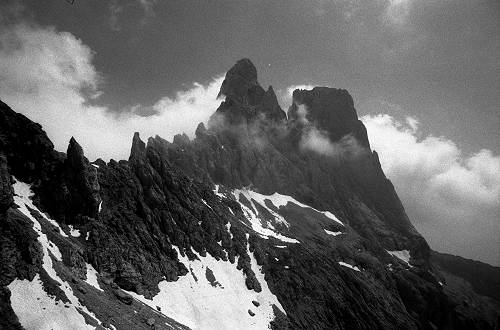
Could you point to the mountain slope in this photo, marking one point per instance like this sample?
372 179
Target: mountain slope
265 219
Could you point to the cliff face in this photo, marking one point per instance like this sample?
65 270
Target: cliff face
265 218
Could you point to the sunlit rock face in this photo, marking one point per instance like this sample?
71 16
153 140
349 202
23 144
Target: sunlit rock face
262 221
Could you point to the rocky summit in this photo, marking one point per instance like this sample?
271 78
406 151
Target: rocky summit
266 219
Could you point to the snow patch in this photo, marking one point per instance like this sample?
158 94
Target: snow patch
92 277
199 305
349 266
216 191
403 255
333 233
279 200
23 194
100 207
74 232
205 202
95 165
256 222
228 227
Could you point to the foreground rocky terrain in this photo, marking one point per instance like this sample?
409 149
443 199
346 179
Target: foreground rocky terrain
265 219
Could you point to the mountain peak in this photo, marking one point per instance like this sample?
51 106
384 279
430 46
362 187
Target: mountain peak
75 156
246 100
240 84
138 147
330 110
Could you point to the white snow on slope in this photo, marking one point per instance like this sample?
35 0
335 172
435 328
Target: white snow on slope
333 233
23 194
256 222
253 197
349 266
24 293
279 200
403 255
205 202
216 191
38 311
92 277
74 232
199 305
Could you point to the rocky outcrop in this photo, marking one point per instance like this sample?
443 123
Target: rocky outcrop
6 191
29 152
81 183
20 257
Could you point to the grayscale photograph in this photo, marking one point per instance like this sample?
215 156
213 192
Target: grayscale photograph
250 164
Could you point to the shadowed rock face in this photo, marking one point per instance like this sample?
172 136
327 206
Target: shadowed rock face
162 197
331 110
6 192
81 182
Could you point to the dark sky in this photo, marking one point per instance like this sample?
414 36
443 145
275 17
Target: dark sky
435 60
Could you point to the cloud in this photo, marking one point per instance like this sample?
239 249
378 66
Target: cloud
49 76
316 140
452 198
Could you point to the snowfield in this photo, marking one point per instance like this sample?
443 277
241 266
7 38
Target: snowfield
265 227
253 216
223 304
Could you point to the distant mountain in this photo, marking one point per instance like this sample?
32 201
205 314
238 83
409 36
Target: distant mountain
265 220
484 278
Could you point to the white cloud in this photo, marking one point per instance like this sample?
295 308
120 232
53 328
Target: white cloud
317 141
48 76
452 198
